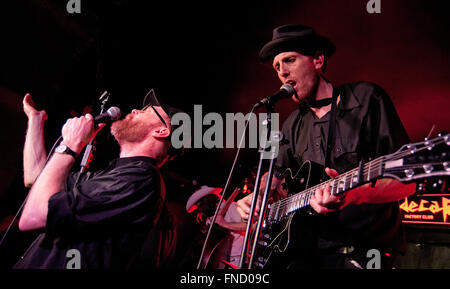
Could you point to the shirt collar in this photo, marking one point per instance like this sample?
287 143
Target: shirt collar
347 101
127 160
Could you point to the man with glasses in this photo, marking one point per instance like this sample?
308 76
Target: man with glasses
109 219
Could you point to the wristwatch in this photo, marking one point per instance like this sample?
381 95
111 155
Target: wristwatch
63 149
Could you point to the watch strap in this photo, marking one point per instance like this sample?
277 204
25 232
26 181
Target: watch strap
64 149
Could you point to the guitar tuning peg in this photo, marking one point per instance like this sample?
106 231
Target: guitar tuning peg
447 166
444 134
428 168
447 139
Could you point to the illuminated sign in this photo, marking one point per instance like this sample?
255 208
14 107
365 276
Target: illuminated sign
426 209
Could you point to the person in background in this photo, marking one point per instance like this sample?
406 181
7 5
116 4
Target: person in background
224 246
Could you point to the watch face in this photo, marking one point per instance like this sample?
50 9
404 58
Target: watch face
61 148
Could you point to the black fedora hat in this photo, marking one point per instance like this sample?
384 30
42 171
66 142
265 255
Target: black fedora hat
296 37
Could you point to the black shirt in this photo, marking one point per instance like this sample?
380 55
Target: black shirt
106 217
367 126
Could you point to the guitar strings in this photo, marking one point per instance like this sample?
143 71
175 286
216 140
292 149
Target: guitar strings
302 198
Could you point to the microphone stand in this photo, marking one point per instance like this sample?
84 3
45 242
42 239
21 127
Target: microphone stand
201 261
263 152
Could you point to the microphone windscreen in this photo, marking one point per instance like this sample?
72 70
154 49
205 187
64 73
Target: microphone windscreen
114 112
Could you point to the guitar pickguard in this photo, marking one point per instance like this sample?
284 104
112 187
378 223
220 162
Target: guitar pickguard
276 235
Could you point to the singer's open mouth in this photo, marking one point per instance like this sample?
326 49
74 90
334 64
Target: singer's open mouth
291 82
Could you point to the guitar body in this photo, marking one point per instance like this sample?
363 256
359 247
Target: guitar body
308 175
282 235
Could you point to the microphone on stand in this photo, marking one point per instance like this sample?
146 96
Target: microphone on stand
286 91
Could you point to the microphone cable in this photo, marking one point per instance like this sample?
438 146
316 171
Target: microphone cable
24 201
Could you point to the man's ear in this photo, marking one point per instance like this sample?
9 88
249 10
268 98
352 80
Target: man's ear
161 132
319 60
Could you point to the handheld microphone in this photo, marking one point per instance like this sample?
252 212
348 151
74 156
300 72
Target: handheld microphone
113 113
286 91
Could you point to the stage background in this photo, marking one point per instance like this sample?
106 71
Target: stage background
203 53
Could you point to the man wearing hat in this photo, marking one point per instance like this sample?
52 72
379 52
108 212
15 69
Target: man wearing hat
364 125
104 219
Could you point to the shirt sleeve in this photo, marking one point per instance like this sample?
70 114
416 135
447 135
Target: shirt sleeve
124 197
387 133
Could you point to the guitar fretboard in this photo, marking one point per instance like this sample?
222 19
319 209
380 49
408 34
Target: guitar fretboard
347 181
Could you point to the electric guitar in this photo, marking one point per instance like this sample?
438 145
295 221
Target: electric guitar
417 162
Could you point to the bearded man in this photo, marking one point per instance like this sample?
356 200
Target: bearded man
106 218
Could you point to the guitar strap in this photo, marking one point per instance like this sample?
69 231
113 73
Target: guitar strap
331 129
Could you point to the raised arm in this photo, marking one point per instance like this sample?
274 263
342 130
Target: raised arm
34 152
77 132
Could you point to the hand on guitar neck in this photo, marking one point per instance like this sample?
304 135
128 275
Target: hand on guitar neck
386 190
383 191
323 201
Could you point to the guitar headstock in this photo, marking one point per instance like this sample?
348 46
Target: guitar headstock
417 161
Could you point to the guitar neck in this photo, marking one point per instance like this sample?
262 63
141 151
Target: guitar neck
363 174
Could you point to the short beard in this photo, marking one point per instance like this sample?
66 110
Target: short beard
311 90
127 130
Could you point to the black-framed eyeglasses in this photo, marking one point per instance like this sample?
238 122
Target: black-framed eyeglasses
157 113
